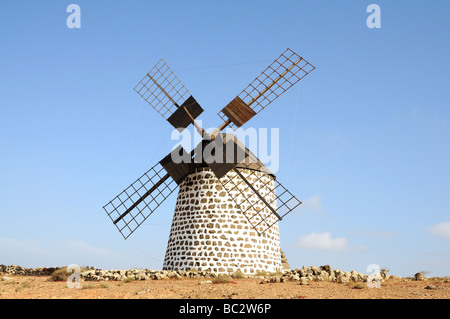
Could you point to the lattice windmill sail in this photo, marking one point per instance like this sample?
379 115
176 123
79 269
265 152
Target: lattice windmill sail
161 89
277 199
288 69
248 190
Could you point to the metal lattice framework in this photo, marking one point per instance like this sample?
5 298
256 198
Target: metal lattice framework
137 202
270 200
288 69
161 88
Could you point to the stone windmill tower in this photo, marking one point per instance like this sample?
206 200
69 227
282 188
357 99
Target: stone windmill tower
229 204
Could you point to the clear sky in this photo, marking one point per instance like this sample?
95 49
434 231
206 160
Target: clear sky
364 139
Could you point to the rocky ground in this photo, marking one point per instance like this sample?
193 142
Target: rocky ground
306 283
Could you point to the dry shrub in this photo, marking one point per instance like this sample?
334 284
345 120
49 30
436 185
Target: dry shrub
222 279
61 274
238 274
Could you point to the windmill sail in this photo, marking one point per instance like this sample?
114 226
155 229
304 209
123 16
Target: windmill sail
270 200
240 174
163 91
288 69
137 202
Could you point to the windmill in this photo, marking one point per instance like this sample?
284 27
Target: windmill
229 204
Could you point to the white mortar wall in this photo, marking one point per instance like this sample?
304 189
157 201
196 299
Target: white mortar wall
209 232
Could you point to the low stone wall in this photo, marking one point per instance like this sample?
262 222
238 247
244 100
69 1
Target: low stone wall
18 270
303 275
143 274
325 273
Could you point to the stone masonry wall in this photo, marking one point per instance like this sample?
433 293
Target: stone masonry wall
210 233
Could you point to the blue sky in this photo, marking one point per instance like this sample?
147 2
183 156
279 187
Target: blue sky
364 139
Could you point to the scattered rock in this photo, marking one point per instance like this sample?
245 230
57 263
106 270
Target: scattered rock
264 281
431 287
272 280
294 277
304 281
315 270
326 268
205 282
284 262
354 276
342 279
332 276
140 277
419 276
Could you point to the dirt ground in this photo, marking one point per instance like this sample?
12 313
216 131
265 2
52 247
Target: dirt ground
24 287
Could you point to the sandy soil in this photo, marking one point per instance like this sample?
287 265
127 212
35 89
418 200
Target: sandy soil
24 287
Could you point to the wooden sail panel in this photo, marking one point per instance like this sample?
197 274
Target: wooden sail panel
238 112
178 164
180 119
